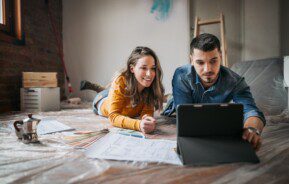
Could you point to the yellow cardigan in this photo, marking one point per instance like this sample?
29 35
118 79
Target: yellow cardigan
117 107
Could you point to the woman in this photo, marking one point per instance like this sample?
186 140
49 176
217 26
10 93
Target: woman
134 94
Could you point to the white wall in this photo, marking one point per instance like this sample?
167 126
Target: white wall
252 27
99 35
284 27
261 29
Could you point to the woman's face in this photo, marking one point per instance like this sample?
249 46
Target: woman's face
144 72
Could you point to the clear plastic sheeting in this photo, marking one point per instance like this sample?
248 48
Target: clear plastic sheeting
53 161
283 117
50 160
266 81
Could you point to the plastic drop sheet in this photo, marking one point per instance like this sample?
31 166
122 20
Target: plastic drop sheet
54 160
266 81
50 160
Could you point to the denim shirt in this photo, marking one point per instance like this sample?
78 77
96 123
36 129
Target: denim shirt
188 89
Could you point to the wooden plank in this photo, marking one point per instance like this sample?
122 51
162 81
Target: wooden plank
39 79
29 84
208 22
197 30
223 44
39 75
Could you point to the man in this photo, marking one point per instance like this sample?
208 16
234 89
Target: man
206 81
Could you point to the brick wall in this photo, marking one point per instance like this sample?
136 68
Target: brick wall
39 54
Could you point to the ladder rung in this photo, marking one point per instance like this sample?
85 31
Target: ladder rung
206 22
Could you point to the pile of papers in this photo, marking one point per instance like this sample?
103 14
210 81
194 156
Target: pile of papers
121 147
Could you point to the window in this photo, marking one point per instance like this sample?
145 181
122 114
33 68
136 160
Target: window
1 12
10 22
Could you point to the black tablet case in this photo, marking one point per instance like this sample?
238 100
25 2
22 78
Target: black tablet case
210 134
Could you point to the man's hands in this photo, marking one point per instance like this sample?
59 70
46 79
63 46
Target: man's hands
253 138
250 134
147 124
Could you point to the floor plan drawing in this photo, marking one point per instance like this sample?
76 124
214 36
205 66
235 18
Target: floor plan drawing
121 147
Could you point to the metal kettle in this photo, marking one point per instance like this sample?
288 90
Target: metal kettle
27 129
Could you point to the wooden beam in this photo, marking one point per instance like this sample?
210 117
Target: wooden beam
197 30
207 22
18 27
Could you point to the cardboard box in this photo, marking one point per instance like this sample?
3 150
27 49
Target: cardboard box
39 79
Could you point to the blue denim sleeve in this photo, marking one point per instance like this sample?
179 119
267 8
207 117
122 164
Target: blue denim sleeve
182 91
243 96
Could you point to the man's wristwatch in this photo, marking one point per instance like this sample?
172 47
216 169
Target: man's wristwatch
255 130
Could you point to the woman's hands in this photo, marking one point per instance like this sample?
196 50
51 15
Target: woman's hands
147 124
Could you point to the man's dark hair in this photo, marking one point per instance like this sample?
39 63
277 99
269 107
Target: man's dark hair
205 42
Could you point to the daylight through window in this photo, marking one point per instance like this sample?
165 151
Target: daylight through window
1 12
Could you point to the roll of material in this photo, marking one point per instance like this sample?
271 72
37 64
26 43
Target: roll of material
286 76
286 71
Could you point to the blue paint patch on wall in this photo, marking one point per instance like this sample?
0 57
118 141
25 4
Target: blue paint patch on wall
161 9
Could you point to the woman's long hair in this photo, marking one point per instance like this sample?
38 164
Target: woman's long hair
150 95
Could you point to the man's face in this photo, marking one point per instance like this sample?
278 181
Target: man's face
207 65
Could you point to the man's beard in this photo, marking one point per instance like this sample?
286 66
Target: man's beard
208 77
209 80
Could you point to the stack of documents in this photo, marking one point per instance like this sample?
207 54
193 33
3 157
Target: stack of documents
121 147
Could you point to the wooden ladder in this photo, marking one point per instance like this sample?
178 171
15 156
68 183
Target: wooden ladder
220 21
